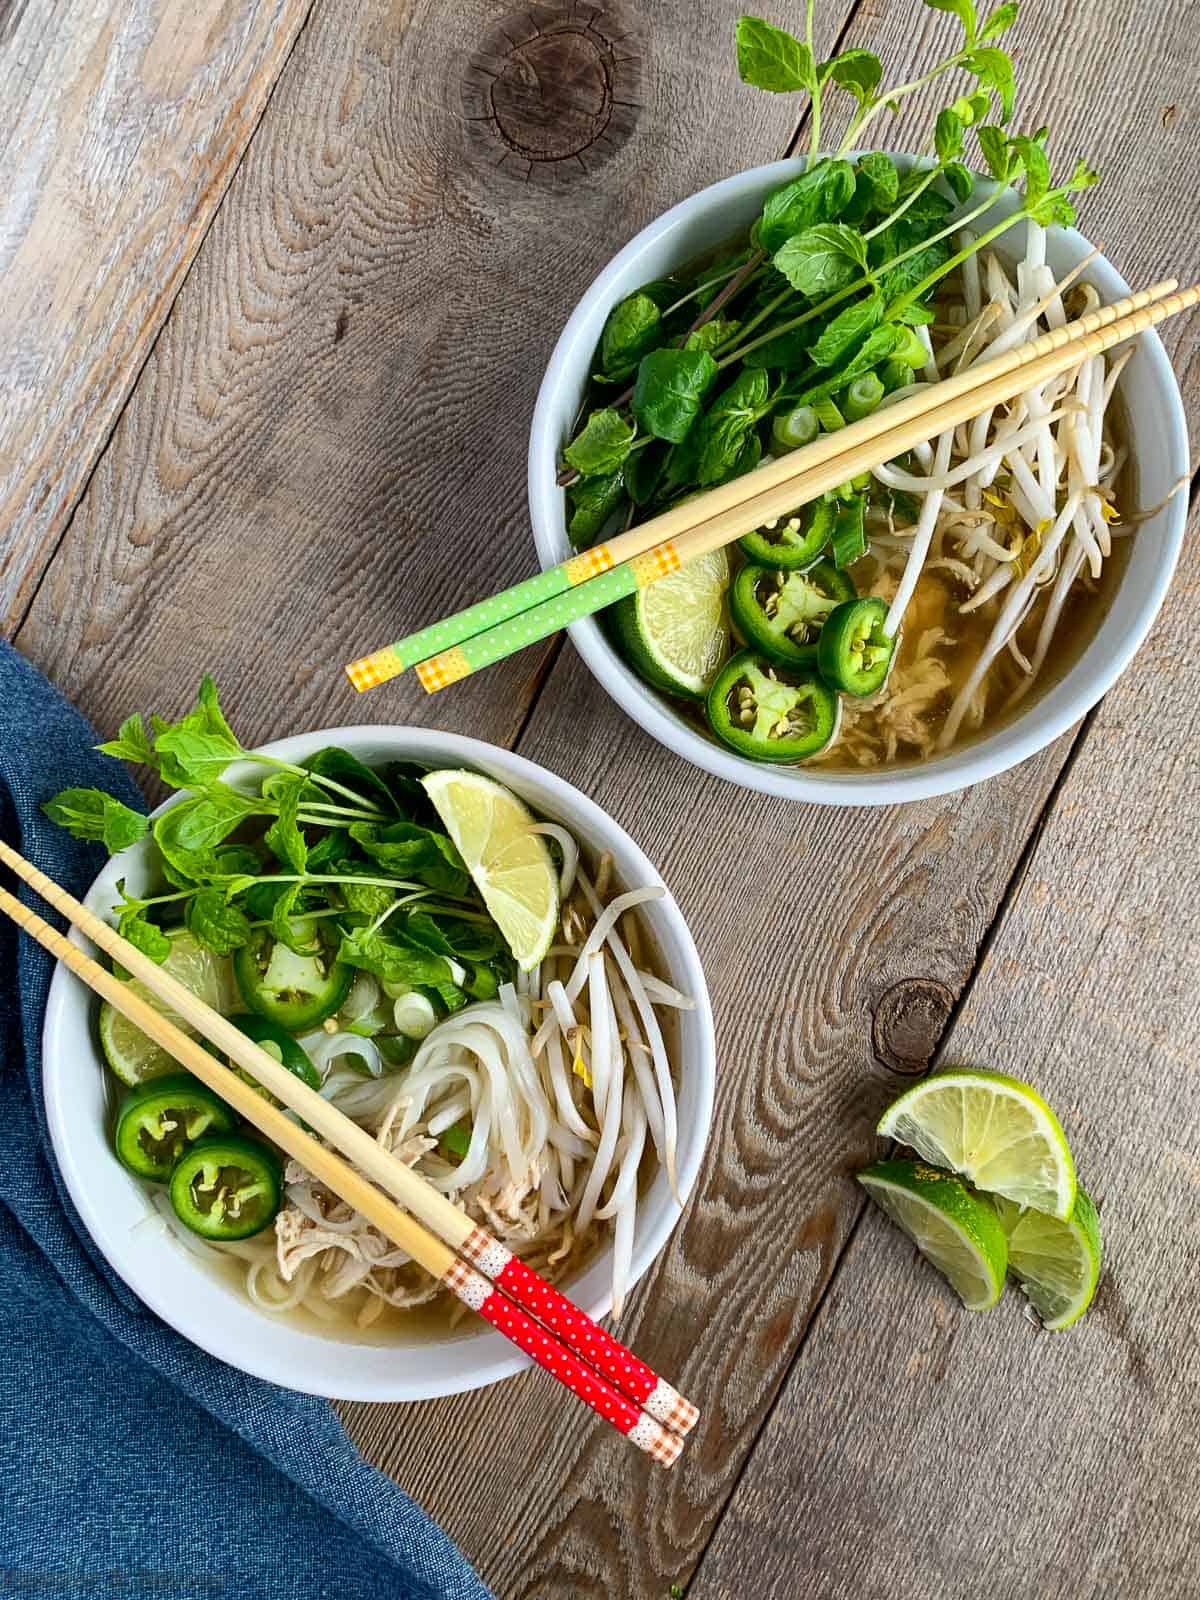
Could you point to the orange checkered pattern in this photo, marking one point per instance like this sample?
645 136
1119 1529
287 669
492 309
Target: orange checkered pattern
443 669
654 564
590 564
669 1407
458 1275
372 670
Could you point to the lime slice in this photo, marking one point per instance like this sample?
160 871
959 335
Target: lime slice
134 1057
1056 1263
954 1230
510 864
996 1131
673 632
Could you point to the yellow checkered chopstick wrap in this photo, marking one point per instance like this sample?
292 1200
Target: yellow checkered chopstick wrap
592 594
370 671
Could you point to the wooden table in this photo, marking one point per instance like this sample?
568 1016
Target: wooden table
280 280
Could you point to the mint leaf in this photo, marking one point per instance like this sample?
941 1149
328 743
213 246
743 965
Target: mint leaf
196 749
994 69
593 501
846 330
858 71
961 180
993 142
882 176
710 335
216 924
283 838
131 744
386 958
770 58
964 10
1037 167
999 22
822 259
633 327
670 388
409 851
92 814
948 136
818 195
144 935
602 445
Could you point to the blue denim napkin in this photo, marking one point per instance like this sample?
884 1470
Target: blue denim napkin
131 1462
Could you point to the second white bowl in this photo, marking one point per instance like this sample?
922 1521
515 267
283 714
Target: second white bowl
1159 446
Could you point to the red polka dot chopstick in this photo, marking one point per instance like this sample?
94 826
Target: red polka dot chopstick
640 1383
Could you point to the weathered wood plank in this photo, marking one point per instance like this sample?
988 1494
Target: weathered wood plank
327 444
802 931
799 974
122 128
917 1446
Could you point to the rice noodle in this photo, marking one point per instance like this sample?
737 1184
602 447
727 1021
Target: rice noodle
563 1080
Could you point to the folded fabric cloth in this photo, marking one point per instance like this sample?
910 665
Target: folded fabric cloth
133 1463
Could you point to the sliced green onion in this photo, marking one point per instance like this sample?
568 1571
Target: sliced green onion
895 375
911 351
794 429
828 415
862 397
849 539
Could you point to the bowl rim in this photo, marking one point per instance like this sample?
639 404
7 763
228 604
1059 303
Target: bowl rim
1017 739
67 995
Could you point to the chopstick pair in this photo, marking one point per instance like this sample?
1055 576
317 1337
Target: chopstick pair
497 627
468 1260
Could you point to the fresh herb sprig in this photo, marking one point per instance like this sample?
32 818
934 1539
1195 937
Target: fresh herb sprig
838 270
327 853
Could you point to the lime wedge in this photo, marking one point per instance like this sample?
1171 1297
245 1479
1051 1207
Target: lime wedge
510 864
134 1057
1056 1263
673 632
954 1230
994 1130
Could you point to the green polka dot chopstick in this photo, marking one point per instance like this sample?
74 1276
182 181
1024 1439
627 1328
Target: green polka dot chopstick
497 627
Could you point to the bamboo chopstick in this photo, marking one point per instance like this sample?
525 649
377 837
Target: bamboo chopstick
626 1404
643 550
1036 363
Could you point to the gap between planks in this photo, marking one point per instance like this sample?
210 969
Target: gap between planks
991 934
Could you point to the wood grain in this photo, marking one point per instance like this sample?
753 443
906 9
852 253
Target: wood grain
326 446
122 127
916 1445
328 442
812 986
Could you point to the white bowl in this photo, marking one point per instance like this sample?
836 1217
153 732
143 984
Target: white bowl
1160 449
213 1313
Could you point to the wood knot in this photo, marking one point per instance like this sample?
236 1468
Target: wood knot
552 90
908 1024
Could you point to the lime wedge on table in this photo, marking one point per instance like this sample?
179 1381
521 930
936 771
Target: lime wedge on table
959 1233
673 632
509 863
996 1131
1056 1263
134 1057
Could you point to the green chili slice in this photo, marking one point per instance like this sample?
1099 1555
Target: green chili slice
163 1119
793 542
227 1187
781 613
770 713
853 652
